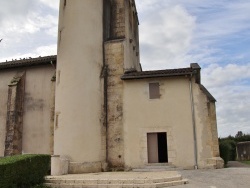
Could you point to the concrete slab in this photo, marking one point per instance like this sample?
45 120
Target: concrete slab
220 178
117 179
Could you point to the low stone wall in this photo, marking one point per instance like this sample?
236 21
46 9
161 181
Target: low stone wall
243 151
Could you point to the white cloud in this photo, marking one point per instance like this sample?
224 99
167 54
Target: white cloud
167 38
14 9
39 51
216 75
230 86
47 50
30 26
233 109
215 26
51 3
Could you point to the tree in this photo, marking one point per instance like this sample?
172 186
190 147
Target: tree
239 134
229 143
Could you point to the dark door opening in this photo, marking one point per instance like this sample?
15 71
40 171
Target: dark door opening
157 148
162 148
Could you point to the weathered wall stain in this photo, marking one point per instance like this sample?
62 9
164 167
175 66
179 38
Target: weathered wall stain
32 103
14 122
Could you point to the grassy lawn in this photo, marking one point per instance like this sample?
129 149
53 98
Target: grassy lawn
246 162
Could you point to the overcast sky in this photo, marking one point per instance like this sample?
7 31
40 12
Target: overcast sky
173 34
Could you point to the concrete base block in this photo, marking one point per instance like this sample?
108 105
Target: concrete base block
87 167
59 165
216 162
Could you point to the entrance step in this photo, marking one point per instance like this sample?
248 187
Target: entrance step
156 167
117 180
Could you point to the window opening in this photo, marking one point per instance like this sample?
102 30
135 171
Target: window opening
154 90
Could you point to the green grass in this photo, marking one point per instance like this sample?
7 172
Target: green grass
246 162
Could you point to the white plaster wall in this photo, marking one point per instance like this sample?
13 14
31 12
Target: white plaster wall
79 92
36 117
171 113
5 78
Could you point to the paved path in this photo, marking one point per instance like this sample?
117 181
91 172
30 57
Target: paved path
237 164
236 176
221 178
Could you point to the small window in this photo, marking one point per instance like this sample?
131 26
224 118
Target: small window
154 90
107 19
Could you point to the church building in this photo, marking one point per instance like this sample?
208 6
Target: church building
94 109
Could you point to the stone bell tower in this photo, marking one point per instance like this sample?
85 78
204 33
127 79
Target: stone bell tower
97 43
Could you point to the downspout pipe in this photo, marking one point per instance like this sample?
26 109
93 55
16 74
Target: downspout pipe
193 121
105 76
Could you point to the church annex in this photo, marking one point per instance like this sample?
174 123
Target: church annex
93 108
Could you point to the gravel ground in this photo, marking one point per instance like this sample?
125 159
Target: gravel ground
237 164
232 177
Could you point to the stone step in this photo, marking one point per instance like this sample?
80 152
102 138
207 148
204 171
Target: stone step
155 168
158 167
142 185
159 164
117 180
151 169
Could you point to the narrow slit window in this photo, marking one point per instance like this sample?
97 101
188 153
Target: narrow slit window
107 20
154 90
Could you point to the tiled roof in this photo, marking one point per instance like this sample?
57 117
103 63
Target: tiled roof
194 69
28 62
156 73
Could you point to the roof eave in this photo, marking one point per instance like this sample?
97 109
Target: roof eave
28 63
127 77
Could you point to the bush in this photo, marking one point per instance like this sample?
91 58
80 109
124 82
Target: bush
232 156
225 151
23 171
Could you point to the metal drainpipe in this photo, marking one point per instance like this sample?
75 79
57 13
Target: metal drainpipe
106 109
105 76
193 121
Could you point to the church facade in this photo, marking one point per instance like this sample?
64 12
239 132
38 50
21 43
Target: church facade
93 108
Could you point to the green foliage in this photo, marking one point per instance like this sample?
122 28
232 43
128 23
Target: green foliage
232 154
23 171
242 138
246 162
231 141
225 150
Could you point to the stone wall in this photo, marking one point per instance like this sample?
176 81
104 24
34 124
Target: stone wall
52 113
14 123
214 130
114 59
206 128
243 151
117 19
120 55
